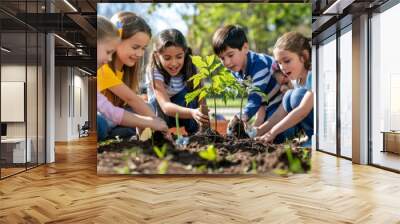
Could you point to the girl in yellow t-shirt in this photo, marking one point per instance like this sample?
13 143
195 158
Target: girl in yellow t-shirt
119 79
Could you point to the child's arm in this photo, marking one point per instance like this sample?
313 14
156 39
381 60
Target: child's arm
260 116
278 115
171 109
292 118
128 119
264 81
134 101
133 120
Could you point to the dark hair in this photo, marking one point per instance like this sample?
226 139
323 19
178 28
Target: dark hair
296 43
275 68
129 24
232 36
165 39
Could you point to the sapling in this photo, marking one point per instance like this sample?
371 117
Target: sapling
294 162
218 77
244 88
180 140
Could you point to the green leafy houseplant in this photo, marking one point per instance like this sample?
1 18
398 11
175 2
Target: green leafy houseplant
218 80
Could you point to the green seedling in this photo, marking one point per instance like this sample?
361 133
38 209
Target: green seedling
209 154
122 170
180 140
253 167
243 89
163 167
294 162
160 152
177 125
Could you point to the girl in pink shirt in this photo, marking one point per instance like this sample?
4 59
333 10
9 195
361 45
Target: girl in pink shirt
107 41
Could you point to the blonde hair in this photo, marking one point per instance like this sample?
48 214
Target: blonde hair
296 43
105 29
128 24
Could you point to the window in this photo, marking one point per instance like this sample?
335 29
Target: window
385 84
327 96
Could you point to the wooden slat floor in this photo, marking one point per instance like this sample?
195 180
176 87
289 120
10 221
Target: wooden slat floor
69 191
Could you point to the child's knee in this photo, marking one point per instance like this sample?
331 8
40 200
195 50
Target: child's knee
296 97
286 101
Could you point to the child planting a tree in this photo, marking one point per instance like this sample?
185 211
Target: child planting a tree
293 54
285 85
231 46
169 72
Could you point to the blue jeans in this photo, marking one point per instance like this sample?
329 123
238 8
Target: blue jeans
190 125
106 129
290 101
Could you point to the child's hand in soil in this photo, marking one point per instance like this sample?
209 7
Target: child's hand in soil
234 121
200 117
159 124
267 137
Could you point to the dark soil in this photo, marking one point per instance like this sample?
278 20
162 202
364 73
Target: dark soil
234 156
238 130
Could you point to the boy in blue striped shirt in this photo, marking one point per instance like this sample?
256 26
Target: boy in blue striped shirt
231 46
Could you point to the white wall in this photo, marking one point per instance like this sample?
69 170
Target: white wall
69 85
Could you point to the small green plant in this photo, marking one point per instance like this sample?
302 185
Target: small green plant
181 141
294 162
177 125
122 170
253 167
218 81
209 154
160 152
243 89
110 141
163 167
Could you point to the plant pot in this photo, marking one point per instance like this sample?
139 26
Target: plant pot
181 130
221 126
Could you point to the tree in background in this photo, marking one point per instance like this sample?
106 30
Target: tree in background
264 22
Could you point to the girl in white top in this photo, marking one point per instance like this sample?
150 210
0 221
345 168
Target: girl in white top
168 72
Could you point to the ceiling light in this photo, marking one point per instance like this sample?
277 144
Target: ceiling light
65 41
84 71
5 49
70 5
337 7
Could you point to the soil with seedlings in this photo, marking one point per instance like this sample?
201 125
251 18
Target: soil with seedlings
234 156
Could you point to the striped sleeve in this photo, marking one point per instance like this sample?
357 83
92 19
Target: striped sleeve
158 76
261 76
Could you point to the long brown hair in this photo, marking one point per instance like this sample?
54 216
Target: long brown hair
296 43
129 24
168 38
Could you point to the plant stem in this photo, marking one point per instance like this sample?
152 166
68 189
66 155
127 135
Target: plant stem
215 112
240 114
177 124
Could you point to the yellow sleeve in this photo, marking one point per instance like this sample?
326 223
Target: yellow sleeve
106 78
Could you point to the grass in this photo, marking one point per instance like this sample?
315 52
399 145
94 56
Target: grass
221 104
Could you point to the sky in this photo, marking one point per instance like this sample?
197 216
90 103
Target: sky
163 18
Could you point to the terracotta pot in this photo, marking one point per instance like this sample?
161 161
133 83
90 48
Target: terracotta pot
221 126
181 130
